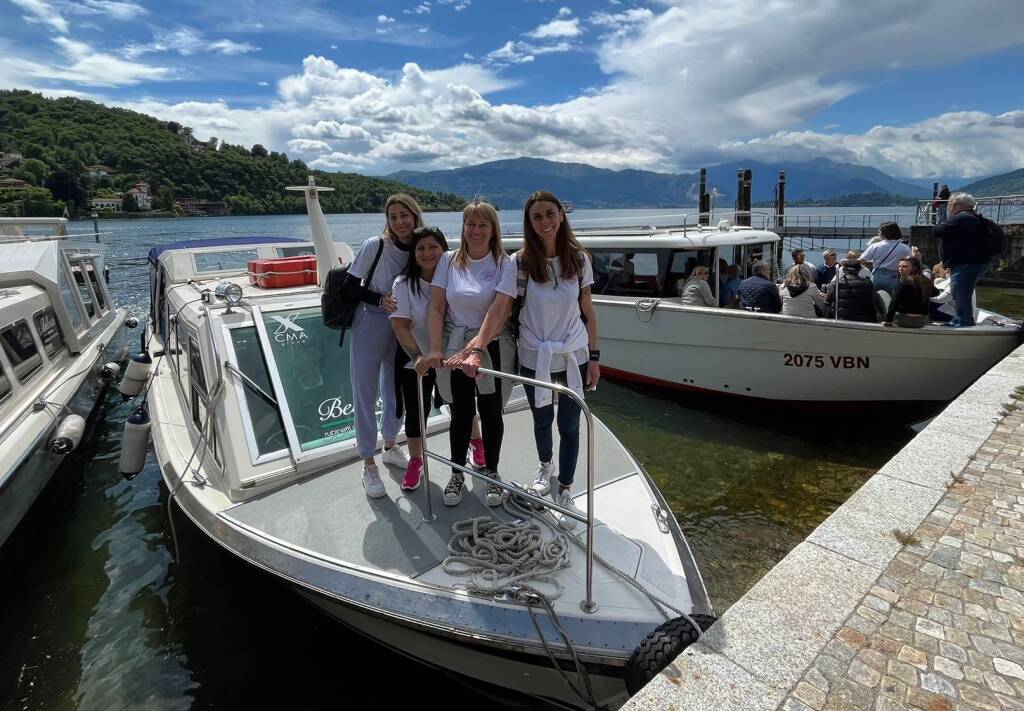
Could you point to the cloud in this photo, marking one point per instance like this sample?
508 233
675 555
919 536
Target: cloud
118 9
262 83
557 28
303 145
523 52
186 41
83 66
384 19
621 23
422 9
41 11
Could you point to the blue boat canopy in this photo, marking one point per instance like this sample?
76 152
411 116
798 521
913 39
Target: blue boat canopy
154 254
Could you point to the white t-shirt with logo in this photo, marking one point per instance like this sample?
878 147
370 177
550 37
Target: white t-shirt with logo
470 291
551 312
414 307
392 261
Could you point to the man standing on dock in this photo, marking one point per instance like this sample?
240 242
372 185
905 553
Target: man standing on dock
964 251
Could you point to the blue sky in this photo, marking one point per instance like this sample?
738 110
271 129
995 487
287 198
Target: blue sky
916 88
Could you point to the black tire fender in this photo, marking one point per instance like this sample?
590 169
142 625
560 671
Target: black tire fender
660 648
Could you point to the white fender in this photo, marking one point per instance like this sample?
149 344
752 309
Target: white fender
69 434
135 442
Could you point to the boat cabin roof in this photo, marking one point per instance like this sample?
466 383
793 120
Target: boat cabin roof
21 229
221 257
663 238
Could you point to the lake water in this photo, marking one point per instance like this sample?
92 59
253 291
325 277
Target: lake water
110 599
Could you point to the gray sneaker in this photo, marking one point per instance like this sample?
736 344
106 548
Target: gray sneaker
564 499
372 484
541 480
495 494
453 489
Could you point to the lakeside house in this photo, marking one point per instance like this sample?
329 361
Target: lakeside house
98 171
9 159
12 184
110 204
194 206
143 198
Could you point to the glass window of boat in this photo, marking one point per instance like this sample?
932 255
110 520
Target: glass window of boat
5 383
84 290
70 300
302 251
49 331
682 263
264 415
20 348
229 259
92 269
626 273
750 253
199 395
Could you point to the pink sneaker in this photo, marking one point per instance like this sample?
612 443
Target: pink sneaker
476 446
412 474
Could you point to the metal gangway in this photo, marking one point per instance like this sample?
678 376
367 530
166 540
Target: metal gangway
1003 209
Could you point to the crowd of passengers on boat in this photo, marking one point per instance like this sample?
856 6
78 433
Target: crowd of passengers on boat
897 290
427 310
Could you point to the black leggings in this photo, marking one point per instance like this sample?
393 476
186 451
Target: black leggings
408 385
464 408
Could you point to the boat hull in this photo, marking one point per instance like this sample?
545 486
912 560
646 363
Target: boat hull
789 359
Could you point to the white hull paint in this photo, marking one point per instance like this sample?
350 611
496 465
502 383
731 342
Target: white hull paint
790 359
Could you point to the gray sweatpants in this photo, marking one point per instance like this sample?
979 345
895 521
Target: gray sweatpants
371 364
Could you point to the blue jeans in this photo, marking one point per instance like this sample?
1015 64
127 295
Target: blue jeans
568 426
963 278
885 280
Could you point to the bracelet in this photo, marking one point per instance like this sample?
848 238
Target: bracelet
595 355
477 350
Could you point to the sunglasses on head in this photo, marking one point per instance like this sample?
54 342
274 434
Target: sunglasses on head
429 232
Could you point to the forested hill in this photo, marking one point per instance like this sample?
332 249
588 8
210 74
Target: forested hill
58 138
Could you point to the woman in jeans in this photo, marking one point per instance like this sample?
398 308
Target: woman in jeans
884 257
557 338
471 296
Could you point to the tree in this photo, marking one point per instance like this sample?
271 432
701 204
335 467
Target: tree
129 203
64 186
34 150
33 171
174 127
259 151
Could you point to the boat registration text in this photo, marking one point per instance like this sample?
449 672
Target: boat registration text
813 360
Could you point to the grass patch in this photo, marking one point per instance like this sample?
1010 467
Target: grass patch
905 538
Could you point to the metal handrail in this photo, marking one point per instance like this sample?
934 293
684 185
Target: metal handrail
587 605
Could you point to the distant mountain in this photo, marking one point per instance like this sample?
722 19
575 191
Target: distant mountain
1011 183
507 183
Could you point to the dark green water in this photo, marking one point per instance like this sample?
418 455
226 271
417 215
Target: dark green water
110 601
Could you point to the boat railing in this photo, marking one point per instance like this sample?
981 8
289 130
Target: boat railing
1002 209
588 604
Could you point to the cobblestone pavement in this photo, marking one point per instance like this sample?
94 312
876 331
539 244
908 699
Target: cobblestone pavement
943 626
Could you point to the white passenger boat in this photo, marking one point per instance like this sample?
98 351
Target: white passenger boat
253 431
58 329
648 336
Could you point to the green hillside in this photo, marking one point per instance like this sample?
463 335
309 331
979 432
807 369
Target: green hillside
1011 183
58 138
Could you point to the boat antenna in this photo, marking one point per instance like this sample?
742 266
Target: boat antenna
326 254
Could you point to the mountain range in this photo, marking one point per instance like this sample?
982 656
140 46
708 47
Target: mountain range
507 183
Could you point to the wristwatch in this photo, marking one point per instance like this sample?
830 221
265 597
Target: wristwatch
595 355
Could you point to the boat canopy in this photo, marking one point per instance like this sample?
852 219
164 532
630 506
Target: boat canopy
155 252
216 258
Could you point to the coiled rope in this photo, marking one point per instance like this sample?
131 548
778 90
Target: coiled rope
645 308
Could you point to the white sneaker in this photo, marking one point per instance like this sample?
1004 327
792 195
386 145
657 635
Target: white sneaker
495 494
372 484
564 499
396 457
541 485
453 489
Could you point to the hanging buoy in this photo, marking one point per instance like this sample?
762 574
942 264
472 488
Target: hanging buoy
109 371
134 442
69 434
136 375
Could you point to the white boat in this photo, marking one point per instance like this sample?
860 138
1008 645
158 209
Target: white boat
58 329
648 336
253 431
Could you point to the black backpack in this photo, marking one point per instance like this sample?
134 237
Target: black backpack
338 310
995 240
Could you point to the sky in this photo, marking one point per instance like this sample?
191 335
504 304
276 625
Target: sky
917 89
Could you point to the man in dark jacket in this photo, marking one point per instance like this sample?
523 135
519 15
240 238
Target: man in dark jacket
856 295
827 271
964 251
758 292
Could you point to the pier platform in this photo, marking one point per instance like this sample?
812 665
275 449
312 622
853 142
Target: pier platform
909 596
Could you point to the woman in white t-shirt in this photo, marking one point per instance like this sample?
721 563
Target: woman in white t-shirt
557 338
471 297
409 321
372 343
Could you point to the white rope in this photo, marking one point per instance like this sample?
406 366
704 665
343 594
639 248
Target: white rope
645 308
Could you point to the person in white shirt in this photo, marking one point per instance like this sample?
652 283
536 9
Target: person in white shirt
885 256
409 321
372 346
696 291
557 338
799 293
799 258
471 297
942 308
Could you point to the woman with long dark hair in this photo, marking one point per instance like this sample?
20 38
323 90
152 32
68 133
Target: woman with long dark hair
471 296
911 303
372 346
557 337
409 321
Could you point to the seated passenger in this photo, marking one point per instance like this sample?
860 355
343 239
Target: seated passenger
854 293
758 292
696 291
824 274
942 308
800 297
728 292
910 302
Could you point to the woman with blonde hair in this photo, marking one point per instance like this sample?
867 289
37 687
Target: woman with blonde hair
799 294
372 343
696 291
471 297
